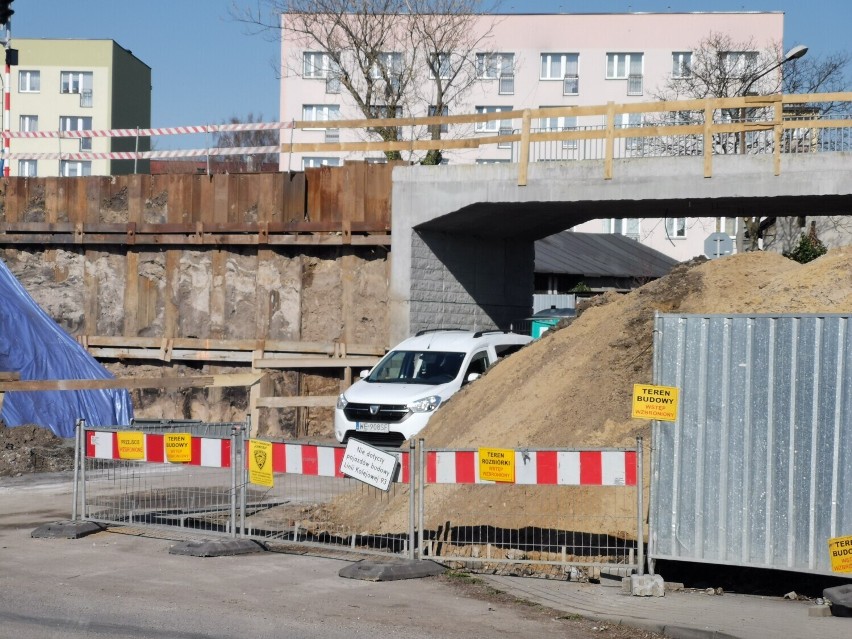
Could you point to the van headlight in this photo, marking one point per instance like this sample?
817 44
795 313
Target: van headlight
425 405
341 401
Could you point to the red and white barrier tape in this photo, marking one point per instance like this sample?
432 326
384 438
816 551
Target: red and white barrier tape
542 467
145 155
132 133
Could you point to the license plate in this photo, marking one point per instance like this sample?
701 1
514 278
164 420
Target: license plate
372 427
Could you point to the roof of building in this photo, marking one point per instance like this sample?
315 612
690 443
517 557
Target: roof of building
599 255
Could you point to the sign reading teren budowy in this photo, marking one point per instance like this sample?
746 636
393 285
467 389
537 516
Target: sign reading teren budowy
654 402
369 465
840 551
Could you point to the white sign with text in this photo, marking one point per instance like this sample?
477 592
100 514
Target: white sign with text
368 464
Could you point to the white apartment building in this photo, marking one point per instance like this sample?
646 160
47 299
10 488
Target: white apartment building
76 85
533 61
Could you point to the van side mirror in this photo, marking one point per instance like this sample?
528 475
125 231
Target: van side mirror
472 377
363 374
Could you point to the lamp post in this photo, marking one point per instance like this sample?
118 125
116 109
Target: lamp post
793 54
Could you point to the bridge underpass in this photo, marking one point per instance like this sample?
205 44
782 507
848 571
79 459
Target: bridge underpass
463 236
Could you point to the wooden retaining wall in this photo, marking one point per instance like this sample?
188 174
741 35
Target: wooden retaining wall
272 271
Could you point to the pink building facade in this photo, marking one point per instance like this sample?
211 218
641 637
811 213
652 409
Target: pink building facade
533 61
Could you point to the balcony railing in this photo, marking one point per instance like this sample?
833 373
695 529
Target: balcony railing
634 85
507 84
571 85
86 98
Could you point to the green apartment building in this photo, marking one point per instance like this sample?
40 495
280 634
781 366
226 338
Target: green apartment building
73 85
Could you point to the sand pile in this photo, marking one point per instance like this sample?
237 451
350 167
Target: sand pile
572 387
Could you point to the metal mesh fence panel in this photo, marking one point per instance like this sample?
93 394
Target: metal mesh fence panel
197 495
312 503
568 512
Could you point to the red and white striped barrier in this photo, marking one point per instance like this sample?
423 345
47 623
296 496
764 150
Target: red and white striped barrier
542 467
206 451
145 155
132 133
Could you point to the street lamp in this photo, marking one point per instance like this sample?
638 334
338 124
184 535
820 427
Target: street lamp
793 54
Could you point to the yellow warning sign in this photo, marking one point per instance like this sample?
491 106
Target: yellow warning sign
260 462
178 447
497 464
840 552
131 445
655 402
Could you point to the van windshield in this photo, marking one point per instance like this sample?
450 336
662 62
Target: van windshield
417 367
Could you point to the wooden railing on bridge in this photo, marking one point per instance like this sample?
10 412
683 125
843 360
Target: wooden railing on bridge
667 120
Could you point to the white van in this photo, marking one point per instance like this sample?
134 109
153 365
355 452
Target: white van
395 399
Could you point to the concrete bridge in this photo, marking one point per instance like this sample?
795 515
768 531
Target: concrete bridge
463 235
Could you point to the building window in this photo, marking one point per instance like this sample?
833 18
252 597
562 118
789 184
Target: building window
29 81
681 64
27 168
622 66
445 110
628 226
387 63
490 66
77 123
727 225
320 113
492 161
561 123
75 81
314 162
675 227
738 64
556 66
315 64
75 168
493 126
440 63
29 123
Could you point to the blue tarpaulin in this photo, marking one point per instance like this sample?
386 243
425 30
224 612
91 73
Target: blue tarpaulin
36 347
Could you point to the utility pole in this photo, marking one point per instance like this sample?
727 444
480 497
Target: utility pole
6 12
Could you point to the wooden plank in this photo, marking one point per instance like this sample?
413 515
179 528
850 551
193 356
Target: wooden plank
135 198
220 184
295 198
131 293
609 144
313 185
270 345
524 151
316 362
708 141
202 381
305 401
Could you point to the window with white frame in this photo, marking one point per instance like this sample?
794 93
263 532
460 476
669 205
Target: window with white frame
628 226
75 81
560 123
620 66
442 62
320 113
29 123
492 66
493 126
315 64
681 64
389 63
29 81
727 225
27 168
77 123
445 110
676 227
75 168
314 162
739 63
561 66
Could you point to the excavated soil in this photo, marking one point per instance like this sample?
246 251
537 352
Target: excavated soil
572 387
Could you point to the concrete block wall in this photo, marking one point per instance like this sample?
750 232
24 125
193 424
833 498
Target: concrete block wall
469 282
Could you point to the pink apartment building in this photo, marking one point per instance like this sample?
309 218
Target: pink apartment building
538 60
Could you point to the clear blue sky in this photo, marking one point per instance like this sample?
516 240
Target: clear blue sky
206 69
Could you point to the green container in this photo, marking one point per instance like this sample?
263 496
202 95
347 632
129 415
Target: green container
539 326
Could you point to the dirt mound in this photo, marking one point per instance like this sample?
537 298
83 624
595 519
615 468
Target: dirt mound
31 449
572 387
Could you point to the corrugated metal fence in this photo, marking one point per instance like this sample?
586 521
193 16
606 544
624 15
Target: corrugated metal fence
757 469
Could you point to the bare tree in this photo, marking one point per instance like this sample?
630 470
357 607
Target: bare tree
250 162
722 67
391 57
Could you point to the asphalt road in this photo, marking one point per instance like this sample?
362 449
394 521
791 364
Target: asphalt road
121 586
